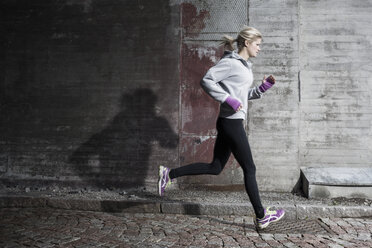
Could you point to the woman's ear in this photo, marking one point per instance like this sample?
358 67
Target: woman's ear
246 43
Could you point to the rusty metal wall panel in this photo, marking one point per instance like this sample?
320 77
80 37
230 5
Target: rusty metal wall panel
203 25
198 110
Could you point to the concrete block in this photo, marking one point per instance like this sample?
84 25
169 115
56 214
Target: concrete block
130 206
206 209
337 182
22 202
319 211
74 204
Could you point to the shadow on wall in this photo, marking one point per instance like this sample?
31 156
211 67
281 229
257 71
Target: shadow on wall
118 156
65 65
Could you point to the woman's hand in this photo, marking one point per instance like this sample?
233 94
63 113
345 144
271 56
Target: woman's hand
234 104
267 83
270 79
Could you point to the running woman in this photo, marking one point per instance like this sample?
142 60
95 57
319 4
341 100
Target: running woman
229 82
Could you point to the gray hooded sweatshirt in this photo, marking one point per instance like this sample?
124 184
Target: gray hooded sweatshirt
231 76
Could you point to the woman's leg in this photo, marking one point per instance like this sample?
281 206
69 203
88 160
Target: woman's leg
241 150
220 157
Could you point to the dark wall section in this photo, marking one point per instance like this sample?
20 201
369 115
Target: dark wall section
88 91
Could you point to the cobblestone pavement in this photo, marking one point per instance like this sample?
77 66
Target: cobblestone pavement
65 228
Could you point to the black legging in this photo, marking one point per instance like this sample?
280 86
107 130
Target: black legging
231 137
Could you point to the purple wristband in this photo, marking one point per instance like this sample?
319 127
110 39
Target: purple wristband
265 86
234 103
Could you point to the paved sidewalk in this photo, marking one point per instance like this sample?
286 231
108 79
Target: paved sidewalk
46 227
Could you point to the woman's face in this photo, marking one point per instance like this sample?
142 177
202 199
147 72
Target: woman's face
253 47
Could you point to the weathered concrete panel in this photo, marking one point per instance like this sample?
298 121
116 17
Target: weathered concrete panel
88 91
273 120
336 85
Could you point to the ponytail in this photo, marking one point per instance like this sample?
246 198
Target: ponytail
228 42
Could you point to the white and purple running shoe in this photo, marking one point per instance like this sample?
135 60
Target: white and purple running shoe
164 180
270 217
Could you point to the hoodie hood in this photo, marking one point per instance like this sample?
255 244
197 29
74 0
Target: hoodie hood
235 55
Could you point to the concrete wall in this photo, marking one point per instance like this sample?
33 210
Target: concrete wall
273 120
336 83
89 91
320 112
100 93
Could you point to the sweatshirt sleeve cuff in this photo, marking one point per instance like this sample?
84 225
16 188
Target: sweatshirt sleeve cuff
224 98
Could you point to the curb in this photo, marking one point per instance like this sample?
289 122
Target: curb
293 211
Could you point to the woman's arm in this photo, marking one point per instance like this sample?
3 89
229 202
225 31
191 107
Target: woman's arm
257 92
254 93
210 82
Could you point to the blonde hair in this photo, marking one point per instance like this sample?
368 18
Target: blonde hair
247 33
